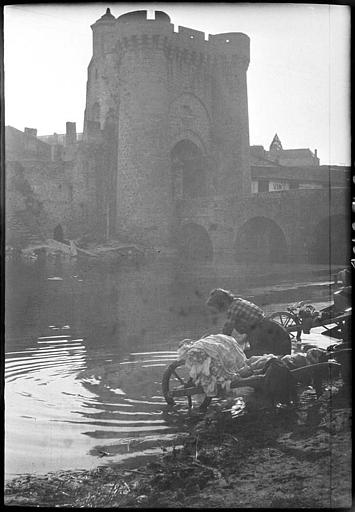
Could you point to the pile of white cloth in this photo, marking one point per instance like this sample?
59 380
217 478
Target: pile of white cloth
214 360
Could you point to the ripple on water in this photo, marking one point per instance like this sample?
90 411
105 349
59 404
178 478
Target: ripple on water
61 415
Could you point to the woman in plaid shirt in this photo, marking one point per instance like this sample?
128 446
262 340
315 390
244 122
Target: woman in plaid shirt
265 336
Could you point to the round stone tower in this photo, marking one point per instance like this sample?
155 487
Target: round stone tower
230 111
101 92
179 105
143 177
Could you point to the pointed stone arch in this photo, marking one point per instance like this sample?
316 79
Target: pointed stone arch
191 136
188 96
187 113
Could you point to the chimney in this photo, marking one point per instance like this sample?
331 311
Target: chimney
315 153
31 131
70 134
30 139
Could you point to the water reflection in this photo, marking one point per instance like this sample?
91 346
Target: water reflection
57 409
85 352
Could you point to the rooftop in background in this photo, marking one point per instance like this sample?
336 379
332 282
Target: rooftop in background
299 157
285 169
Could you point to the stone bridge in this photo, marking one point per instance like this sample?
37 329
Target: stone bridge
304 226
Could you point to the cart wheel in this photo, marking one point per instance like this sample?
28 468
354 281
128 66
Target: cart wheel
178 379
288 321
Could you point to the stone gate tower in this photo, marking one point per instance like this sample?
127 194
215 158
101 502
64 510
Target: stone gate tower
175 106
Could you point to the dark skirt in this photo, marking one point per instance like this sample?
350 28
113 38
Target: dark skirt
268 337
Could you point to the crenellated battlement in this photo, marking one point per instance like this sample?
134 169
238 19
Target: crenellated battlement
135 29
229 42
189 35
139 16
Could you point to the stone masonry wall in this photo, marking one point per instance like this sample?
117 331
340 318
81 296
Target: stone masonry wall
37 199
41 194
143 181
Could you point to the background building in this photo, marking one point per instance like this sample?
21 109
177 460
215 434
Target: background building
164 159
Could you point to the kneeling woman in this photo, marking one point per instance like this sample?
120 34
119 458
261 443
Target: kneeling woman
265 336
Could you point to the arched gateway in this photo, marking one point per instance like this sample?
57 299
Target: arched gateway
188 170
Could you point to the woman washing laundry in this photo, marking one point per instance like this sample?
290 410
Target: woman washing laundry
264 336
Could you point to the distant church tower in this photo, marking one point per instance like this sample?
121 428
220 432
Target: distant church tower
275 144
177 106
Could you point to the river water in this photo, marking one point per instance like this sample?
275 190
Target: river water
85 351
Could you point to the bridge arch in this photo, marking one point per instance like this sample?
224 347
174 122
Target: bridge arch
194 243
331 241
260 239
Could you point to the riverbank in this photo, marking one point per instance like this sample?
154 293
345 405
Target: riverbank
299 457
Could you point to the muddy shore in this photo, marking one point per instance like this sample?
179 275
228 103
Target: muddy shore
280 458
